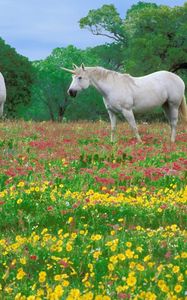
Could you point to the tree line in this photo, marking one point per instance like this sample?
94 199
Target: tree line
151 37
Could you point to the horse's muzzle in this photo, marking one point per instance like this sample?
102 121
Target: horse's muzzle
72 93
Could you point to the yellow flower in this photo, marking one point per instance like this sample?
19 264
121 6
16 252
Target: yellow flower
21 184
178 288
69 247
65 283
20 274
58 291
139 267
96 254
19 201
139 249
96 237
42 277
129 253
175 269
57 277
70 220
161 283
121 256
184 255
87 296
131 281
74 293
23 261
111 267
128 244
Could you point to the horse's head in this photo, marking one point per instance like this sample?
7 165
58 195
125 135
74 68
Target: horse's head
80 80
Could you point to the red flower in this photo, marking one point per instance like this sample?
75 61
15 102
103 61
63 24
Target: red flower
50 208
33 257
63 263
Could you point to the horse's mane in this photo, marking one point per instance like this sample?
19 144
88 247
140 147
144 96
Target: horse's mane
102 73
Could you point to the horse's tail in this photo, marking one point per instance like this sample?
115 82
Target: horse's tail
183 112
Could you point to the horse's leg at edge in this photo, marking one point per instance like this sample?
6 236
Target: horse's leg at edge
1 109
129 116
171 113
174 112
113 120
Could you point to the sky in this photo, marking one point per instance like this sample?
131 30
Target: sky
35 27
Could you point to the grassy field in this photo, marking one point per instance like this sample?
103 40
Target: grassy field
81 218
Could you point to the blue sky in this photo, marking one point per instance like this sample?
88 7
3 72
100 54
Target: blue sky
35 27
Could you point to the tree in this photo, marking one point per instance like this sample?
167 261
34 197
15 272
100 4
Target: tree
18 74
151 37
160 33
105 21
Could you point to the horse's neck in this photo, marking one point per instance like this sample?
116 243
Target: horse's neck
99 80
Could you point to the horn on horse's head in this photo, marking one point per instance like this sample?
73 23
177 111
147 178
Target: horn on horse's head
68 70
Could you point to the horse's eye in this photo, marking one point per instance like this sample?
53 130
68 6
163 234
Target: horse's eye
79 77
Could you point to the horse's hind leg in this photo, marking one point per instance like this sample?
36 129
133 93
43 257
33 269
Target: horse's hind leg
1 109
172 113
129 116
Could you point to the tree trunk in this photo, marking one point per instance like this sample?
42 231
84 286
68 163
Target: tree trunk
62 109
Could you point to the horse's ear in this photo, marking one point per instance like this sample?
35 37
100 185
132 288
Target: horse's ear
83 67
75 66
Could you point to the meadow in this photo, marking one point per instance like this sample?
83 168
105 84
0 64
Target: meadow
81 218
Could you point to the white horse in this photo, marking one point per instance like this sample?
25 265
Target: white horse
2 94
125 94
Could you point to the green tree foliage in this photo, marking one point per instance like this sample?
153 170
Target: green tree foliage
105 21
152 37
156 38
18 74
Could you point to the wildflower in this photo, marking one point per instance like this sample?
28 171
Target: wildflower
69 247
57 277
21 184
65 283
184 255
96 237
74 294
139 249
42 277
175 269
96 254
19 201
23 261
131 281
139 267
111 267
70 220
178 288
20 274
58 291
129 253
128 244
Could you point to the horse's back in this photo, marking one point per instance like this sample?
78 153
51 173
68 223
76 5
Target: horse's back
164 80
155 89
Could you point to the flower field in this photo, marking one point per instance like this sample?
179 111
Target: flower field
81 218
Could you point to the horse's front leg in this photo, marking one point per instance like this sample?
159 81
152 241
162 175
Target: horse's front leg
129 116
113 120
